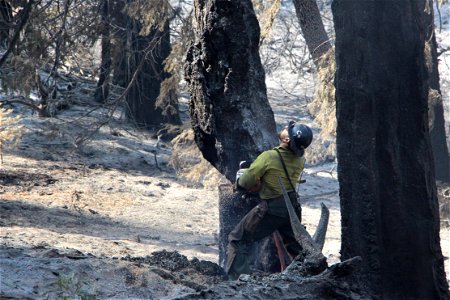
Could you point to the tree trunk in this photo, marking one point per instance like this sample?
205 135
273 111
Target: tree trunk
146 73
230 113
102 90
435 105
388 195
119 19
5 22
310 21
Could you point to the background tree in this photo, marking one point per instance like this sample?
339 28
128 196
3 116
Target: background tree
310 21
388 195
102 90
435 103
54 35
148 45
61 35
322 53
5 22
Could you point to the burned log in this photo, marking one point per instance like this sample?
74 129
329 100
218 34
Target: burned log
321 230
314 261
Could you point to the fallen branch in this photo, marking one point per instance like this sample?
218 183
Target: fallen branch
22 101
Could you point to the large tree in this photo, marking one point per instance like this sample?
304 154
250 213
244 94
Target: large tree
147 46
388 194
230 113
229 109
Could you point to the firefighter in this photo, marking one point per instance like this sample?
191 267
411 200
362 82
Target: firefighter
287 162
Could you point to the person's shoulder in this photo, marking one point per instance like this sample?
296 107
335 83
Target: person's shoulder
267 155
274 151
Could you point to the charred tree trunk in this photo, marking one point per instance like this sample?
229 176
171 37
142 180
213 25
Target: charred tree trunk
230 113
310 21
388 195
145 73
435 105
102 90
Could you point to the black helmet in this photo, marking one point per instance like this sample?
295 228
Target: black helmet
300 137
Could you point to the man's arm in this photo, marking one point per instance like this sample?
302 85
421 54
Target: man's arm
250 180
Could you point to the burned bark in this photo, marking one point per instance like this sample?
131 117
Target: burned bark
230 113
389 204
321 230
232 208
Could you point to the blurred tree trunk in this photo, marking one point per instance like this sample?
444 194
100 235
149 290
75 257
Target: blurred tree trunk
102 91
388 193
118 19
5 22
145 72
310 21
230 113
435 105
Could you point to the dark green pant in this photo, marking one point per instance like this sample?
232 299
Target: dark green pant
261 221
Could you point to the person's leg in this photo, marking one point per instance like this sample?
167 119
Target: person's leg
240 240
256 225
238 262
291 244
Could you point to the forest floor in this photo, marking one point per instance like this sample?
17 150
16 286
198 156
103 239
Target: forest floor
111 219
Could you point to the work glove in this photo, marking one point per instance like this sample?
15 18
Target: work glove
238 188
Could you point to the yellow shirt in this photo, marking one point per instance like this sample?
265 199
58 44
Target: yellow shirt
267 167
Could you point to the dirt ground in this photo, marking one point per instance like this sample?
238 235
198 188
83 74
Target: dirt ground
103 219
